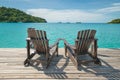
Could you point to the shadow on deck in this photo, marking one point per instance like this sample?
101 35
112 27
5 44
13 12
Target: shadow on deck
12 68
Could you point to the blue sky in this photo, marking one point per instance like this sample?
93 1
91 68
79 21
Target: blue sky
97 11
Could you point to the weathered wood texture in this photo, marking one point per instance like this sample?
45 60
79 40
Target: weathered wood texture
12 68
37 39
84 42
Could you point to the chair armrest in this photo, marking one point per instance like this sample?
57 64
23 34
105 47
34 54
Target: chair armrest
55 44
29 42
70 49
66 43
95 42
71 46
28 39
76 40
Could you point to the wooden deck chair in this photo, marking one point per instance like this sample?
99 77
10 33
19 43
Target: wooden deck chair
85 40
37 39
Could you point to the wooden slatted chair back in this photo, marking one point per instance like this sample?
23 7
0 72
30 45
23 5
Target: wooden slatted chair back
84 37
30 34
39 40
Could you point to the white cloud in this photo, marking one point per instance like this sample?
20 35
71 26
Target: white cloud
116 4
66 15
114 8
76 15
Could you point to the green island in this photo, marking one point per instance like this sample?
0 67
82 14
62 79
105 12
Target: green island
15 15
115 21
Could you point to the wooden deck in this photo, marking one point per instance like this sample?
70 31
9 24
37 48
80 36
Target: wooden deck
12 68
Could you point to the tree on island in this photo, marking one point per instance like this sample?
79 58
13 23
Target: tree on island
115 21
15 15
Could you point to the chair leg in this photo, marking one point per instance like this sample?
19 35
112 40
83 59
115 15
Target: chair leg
48 63
27 61
97 61
29 56
94 50
78 64
57 51
65 50
49 59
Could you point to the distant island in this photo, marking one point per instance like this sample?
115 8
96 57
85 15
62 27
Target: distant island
115 21
15 15
78 22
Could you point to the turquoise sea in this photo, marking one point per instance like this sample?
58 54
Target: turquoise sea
13 35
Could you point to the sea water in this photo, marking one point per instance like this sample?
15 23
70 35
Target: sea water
13 35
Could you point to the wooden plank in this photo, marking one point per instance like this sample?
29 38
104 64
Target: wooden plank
60 76
12 68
